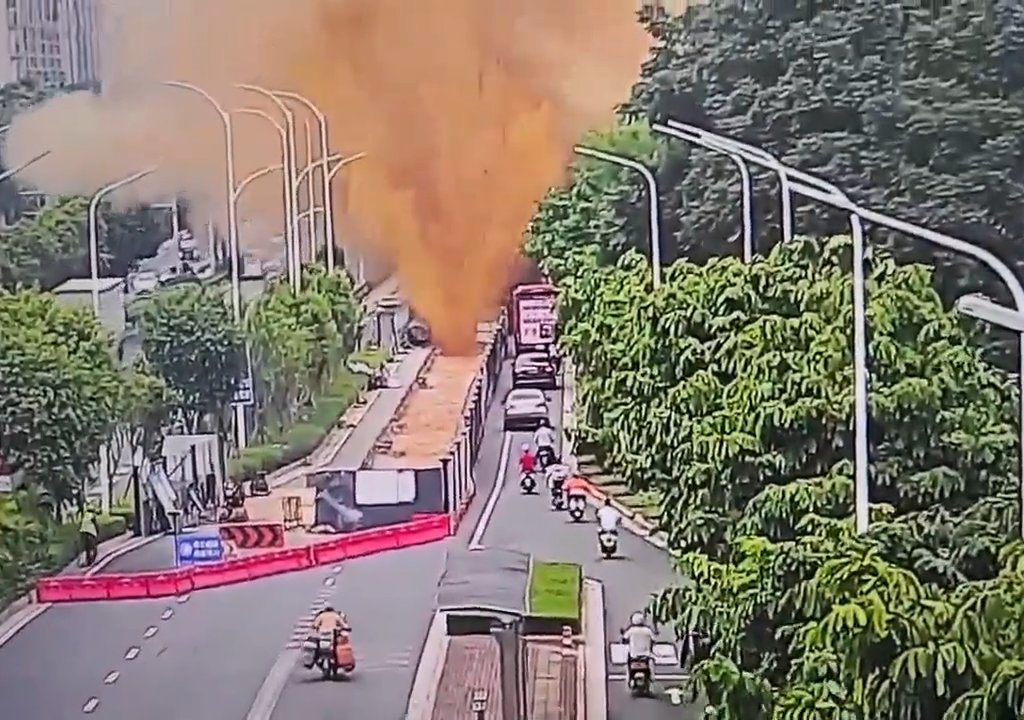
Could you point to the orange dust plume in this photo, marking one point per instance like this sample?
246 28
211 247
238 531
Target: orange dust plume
466 109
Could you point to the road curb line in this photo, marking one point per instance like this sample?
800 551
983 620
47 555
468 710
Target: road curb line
595 674
429 670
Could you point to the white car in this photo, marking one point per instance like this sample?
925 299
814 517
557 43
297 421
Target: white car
525 408
144 282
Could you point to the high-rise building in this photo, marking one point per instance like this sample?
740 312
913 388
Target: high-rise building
653 8
54 42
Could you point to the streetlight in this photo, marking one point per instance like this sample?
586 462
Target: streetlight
822 189
291 243
747 189
290 160
980 307
236 292
969 305
94 243
325 174
32 161
229 157
654 229
311 194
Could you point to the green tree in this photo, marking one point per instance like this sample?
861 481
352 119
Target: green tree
46 249
59 391
129 236
191 341
921 113
146 407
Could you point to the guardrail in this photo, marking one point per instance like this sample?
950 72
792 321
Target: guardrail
458 467
140 586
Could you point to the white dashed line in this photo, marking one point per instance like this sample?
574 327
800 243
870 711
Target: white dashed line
111 678
329 581
183 598
150 632
90 705
167 614
336 569
133 652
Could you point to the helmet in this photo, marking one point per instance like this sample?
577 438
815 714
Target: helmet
327 609
636 619
608 500
526 447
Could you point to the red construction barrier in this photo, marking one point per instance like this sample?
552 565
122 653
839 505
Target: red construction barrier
330 552
50 590
169 584
126 587
89 589
253 535
423 531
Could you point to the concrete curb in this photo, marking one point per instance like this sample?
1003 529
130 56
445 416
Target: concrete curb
596 672
429 671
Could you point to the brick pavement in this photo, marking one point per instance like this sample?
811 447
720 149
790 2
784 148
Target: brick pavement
551 682
471 664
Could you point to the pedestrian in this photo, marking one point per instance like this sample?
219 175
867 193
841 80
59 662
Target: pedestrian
88 536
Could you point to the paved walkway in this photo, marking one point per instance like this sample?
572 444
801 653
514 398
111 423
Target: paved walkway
471 664
358 446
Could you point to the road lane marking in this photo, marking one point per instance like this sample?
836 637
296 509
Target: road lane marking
336 569
329 582
150 632
133 652
273 685
167 614
183 598
90 705
492 500
111 678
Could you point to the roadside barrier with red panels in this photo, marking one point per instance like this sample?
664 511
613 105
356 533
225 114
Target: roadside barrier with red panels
138 586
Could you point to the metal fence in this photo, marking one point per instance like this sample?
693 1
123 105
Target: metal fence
384 324
457 467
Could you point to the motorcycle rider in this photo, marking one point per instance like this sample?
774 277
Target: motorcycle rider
544 439
554 477
639 639
327 620
527 460
608 518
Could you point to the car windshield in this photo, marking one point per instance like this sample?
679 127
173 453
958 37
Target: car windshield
532 359
524 397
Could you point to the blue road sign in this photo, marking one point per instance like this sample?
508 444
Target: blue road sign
192 549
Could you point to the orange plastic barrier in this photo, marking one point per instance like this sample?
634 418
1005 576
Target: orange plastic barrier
423 529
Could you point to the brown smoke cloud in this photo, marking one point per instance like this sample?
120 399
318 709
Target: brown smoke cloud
467 110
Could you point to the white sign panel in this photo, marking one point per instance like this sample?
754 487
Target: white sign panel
537 318
244 393
385 487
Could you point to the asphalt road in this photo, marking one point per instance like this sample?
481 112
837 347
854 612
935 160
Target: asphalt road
526 523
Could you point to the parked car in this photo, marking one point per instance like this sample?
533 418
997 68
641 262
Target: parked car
145 282
535 370
525 409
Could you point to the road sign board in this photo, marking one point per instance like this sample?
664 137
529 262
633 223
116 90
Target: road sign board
244 392
192 549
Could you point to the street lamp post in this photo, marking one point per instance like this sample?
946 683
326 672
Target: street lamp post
311 194
32 161
94 242
325 174
291 243
236 292
654 229
290 169
969 305
746 184
760 157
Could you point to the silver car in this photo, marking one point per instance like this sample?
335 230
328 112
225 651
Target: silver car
525 408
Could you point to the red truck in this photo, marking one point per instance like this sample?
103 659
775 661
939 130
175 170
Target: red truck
533 318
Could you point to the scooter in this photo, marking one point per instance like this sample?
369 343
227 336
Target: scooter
332 653
528 483
545 457
640 676
557 497
608 540
577 505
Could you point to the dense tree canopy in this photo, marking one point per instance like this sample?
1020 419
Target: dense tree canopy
729 392
916 111
60 391
190 339
299 340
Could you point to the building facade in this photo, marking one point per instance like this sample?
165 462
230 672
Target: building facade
53 42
